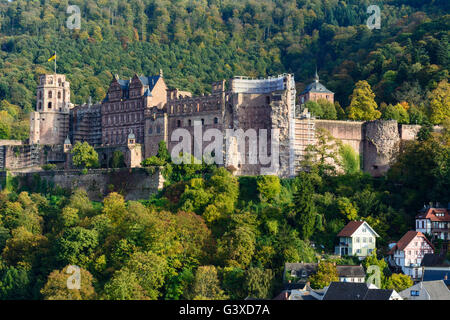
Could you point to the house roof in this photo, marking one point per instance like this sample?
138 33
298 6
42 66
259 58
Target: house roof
406 239
285 295
430 213
316 87
350 271
351 228
299 267
346 291
440 274
378 294
437 290
434 260
355 291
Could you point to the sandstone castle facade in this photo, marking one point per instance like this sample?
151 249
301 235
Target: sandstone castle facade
138 113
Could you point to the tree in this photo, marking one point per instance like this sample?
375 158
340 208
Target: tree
258 282
304 210
326 273
363 106
84 155
118 159
440 102
349 159
372 260
206 285
399 282
124 285
56 287
269 188
347 208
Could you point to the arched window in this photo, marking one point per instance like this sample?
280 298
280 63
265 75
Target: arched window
50 94
49 105
150 130
203 122
158 129
178 123
216 121
59 94
190 122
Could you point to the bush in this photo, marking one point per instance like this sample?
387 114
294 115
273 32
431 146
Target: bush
49 167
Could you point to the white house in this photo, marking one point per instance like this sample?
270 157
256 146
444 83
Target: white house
409 252
356 239
427 290
434 222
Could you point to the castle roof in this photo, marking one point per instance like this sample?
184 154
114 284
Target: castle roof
316 87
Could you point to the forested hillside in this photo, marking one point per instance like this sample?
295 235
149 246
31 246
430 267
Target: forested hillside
197 42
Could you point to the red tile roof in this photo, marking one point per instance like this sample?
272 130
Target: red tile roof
431 214
406 239
350 228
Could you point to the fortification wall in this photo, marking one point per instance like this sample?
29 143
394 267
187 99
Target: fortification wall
350 132
134 184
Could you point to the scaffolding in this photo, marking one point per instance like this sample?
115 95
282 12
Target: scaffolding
305 131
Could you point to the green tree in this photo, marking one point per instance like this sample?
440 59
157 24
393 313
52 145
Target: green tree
304 209
84 155
269 188
258 282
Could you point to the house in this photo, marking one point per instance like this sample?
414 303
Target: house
296 274
427 290
434 222
409 252
356 239
303 293
357 291
351 273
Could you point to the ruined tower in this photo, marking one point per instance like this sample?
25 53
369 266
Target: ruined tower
49 124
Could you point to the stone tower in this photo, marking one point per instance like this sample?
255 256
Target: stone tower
49 124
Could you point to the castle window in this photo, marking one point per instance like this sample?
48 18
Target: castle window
50 94
150 130
59 81
158 129
203 122
216 121
49 105
178 123
59 95
190 122
40 105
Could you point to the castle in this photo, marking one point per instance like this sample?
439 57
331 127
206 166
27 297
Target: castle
139 112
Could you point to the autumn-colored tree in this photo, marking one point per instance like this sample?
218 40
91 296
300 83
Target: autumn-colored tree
363 106
399 282
440 102
206 285
326 273
58 283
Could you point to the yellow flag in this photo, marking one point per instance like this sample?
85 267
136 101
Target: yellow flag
53 57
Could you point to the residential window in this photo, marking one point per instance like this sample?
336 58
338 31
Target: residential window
370 240
364 239
415 293
357 239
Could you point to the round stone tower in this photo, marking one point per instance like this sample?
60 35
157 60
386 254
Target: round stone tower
381 143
